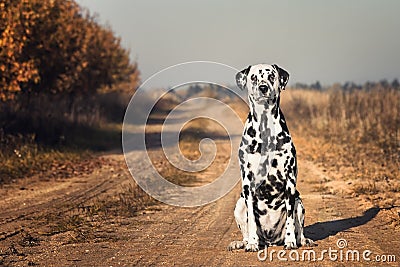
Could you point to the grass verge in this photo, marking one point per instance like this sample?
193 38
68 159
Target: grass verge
22 155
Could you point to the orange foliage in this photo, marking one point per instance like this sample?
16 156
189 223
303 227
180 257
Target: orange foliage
53 46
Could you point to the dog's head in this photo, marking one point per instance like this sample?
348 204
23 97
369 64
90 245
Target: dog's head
263 82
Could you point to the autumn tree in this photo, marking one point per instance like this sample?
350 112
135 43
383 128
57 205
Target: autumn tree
16 21
54 46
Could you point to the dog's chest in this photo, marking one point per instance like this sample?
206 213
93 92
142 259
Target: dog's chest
270 153
265 132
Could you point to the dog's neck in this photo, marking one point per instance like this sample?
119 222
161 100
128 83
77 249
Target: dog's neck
262 111
267 117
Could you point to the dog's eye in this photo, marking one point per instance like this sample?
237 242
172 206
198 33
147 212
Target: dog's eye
253 77
271 78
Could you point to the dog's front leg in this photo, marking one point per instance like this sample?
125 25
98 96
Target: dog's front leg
290 238
252 244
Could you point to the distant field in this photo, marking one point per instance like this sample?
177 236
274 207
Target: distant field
357 133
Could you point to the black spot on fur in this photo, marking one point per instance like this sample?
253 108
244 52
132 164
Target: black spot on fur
251 132
259 148
291 204
275 183
274 163
272 146
249 117
272 179
271 78
241 168
293 150
241 156
264 191
254 79
280 187
278 205
289 170
261 212
246 191
250 176
275 111
251 148
282 139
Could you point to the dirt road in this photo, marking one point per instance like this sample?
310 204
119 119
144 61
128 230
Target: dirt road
39 224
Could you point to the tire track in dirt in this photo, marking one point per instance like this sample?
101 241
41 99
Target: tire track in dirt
46 198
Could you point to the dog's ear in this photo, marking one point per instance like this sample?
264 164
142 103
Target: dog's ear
241 78
283 77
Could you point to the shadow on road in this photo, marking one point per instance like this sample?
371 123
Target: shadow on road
322 230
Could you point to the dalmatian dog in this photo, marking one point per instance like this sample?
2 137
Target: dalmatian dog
269 211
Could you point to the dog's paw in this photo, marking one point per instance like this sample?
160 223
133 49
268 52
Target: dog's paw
234 245
251 248
308 242
290 245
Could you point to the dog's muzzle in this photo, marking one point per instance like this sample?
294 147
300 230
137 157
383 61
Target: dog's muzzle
263 89
265 93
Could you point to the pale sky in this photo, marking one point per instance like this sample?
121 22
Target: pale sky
329 41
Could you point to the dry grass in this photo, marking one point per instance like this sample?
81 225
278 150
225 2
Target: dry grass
133 199
358 116
41 133
22 156
355 133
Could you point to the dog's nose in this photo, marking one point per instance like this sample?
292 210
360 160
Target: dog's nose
263 88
